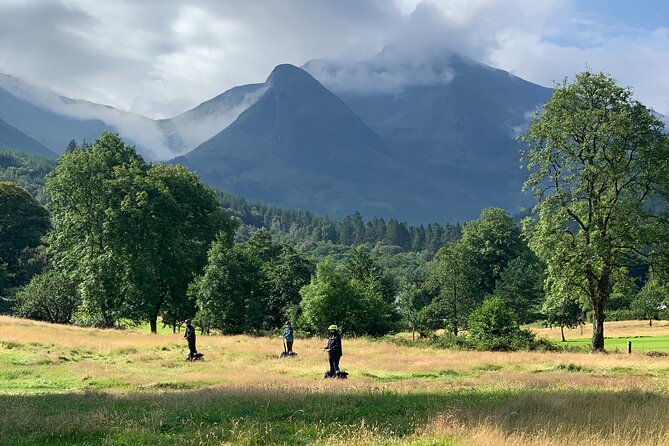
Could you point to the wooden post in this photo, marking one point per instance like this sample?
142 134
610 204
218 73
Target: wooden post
629 347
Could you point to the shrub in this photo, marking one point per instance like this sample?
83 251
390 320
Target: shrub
492 327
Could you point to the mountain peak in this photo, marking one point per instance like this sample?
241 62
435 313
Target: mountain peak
286 75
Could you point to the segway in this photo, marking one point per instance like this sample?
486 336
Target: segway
285 353
196 357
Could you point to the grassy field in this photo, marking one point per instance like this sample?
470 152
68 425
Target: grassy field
642 336
66 385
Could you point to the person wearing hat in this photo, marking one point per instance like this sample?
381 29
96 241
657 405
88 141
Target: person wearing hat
334 350
289 337
190 337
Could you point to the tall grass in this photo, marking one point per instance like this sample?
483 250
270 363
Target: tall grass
65 385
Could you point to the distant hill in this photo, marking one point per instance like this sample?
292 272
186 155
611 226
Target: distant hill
13 138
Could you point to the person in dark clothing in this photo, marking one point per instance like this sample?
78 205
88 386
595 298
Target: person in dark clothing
334 350
289 337
190 337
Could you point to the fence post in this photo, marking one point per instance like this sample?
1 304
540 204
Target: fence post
629 347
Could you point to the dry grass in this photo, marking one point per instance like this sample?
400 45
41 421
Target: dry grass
395 395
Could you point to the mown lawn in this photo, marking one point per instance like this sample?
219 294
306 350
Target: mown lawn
65 385
640 343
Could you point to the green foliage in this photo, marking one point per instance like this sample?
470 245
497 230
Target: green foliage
302 227
131 234
23 223
452 283
563 310
28 171
650 300
228 294
284 272
48 297
412 298
356 297
492 326
490 243
595 157
520 287
251 286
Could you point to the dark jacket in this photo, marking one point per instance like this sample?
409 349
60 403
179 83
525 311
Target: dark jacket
190 334
288 334
334 345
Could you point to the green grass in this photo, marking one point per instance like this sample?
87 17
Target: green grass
269 417
639 343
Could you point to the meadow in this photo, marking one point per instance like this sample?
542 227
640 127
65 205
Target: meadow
66 385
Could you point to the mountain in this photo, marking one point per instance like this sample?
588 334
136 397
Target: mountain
448 108
188 130
13 138
416 136
299 145
54 120
19 108
433 139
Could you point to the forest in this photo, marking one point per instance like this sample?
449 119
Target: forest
102 238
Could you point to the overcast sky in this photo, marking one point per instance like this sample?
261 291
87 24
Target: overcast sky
162 57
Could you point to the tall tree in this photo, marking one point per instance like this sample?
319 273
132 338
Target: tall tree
227 294
178 224
520 287
595 157
491 242
453 282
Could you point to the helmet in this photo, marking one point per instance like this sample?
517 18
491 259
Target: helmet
332 327
187 321
287 322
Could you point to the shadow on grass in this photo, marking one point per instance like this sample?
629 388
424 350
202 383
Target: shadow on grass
262 416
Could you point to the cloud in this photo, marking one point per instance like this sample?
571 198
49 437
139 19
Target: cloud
161 57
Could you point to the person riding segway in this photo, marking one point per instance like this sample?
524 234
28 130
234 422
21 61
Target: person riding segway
193 355
288 338
334 354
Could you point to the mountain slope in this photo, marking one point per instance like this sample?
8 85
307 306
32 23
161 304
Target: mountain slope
299 145
188 130
54 120
12 138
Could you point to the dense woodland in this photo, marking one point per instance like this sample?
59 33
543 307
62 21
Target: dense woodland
103 238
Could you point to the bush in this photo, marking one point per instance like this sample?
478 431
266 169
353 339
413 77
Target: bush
492 326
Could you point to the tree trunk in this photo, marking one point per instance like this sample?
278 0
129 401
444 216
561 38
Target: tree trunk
154 323
455 309
597 344
562 333
650 322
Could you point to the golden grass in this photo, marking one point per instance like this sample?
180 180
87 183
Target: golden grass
562 398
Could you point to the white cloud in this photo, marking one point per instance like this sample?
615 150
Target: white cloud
161 57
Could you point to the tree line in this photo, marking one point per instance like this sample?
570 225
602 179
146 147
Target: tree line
299 226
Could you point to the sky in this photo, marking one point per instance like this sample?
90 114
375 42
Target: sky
159 58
